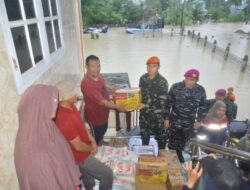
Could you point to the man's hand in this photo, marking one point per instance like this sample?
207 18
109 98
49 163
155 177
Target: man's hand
193 174
212 155
141 106
92 143
122 108
197 125
166 123
94 147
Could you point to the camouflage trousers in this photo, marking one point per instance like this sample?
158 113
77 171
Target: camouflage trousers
153 125
179 137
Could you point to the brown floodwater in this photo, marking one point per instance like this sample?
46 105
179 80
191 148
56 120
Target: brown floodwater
122 52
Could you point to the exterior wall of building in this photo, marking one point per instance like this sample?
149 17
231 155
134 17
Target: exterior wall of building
70 65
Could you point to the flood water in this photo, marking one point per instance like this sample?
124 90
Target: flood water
226 33
121 52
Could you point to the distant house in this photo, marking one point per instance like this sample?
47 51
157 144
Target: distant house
238 8
40 42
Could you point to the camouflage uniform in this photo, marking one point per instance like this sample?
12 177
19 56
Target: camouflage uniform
184 106
154 96
230 108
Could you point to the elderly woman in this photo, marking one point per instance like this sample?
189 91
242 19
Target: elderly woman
81 142
214 125
216 114
42 156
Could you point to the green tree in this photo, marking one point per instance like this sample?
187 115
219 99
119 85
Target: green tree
172 14
235 2
214 3
101 11
152 8
237 17
131 12
197 13
164 4
248 8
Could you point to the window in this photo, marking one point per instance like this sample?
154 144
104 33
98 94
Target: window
51 24
34 28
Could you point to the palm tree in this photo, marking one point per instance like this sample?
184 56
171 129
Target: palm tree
197 12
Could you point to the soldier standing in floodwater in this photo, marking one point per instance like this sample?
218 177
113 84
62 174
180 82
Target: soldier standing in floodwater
154 89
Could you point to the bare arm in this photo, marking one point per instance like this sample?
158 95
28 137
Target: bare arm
111 105
193 174
93 143
81 146
110 88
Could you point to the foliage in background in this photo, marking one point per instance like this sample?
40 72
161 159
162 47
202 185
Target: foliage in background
134 11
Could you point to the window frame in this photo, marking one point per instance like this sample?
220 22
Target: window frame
24 80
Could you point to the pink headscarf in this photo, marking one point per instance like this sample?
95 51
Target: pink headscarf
43 158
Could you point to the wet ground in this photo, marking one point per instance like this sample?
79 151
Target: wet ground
121 52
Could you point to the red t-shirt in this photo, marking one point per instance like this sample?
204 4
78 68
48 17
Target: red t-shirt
94 92
70 124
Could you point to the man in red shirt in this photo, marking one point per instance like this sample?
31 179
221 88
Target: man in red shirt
96 97
81 142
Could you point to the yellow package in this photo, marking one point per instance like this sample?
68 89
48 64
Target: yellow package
129 97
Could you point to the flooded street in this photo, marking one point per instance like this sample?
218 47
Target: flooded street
226 33
121 52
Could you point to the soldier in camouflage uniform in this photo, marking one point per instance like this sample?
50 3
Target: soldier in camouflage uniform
154 88
185 108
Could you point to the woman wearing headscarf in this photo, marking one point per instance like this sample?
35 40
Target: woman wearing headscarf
215 123
42 156
216 114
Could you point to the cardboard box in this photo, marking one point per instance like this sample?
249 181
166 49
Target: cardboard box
148 186
151 170
118 142
175 180
173 164
129 97
143 149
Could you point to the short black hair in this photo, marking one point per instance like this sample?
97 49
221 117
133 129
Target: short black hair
223 173
91 57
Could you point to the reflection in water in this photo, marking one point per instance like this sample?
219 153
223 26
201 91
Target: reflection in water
120 52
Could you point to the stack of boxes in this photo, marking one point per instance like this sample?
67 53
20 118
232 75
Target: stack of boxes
175 180
162 172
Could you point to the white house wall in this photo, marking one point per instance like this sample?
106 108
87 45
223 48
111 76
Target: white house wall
68 66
